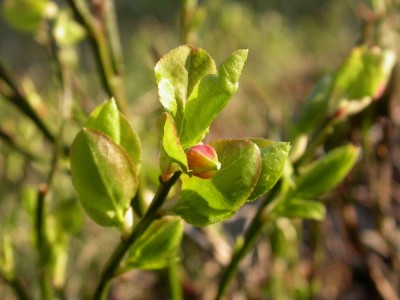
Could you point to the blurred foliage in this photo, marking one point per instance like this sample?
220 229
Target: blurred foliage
292 43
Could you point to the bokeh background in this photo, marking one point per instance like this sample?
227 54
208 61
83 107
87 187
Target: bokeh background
354 254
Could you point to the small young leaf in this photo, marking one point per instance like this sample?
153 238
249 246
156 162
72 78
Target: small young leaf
361 78
158 246
209 97
170 144
363 72
67 32
206 201
103 176
273 157
327 172
177 73
300 208
24 15
107 119
315 108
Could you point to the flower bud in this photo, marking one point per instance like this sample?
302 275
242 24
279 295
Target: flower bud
203 161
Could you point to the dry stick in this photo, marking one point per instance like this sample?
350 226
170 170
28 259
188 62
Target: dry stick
10 92
116 257
104 51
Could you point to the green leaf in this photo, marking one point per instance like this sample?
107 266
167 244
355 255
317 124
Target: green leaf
177 73
107 119
206 201
158 246
300 208
326 173
361 78
361 74
315 108
210 95
103 176
24 15
171 146
67 32
273 159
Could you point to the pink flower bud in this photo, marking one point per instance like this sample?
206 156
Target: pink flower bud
203 161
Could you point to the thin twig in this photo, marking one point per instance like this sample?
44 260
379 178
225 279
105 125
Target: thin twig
42 245
252 233
12 93
120 251
174 280
104 50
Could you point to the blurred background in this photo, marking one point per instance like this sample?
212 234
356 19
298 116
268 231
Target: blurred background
354 254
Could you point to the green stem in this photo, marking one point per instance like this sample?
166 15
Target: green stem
255 228
317 141
189 9
104 50
174 280
42 246
114 38
116 257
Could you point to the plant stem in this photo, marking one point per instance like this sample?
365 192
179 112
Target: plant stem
174 280
319 138
255 228
120 251
107 53
42 245
114 38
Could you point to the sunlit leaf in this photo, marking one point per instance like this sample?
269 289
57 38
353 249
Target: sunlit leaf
300 208
107 119
363 72
209 97
170 143
24 15
177 73
327 172
103 176
273 157
206 201
67 32
362 78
